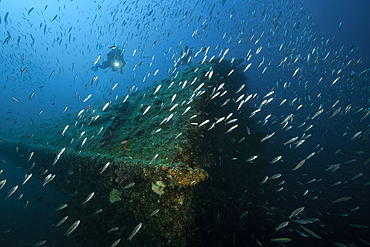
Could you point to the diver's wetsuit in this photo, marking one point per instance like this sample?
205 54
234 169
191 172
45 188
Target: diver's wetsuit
114 56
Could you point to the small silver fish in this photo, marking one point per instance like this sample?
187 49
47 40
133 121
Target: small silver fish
104 167
116 243
296 212
135 231
98 211
154 158
30 157
48 179
2 183
105 106
287 119
154 213
65 129
311 232
282 225
62 207
317 113
226 101
281 183
276 176
280 189
80 112
25 205
40 243
310 155
88 198
357 176
87 98
311 181
291 140
203 123
231 121
113 229
267 137
264 180
97 59
356 135
11 192
231 129
220 120
146 110
73 227
186 110
16 99
342 199
276 159
281 240
44 172
128 186
65 109
26 178
240 89
250 159
300 164
173 107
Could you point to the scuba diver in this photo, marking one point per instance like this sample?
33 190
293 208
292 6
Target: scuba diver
114 60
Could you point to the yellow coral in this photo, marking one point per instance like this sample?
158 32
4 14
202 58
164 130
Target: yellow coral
115 196
180 200
158 187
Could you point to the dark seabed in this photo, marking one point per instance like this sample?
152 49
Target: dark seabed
184 123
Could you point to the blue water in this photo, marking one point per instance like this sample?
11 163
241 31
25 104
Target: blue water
59 43
22 223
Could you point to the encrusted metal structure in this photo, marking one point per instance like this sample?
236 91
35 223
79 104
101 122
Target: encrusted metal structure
159 143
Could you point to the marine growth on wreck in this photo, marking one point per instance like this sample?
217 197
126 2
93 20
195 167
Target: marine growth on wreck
143 153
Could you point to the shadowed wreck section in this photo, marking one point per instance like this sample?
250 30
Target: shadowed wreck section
145 157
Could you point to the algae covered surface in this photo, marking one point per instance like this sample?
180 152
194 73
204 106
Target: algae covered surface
146 152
